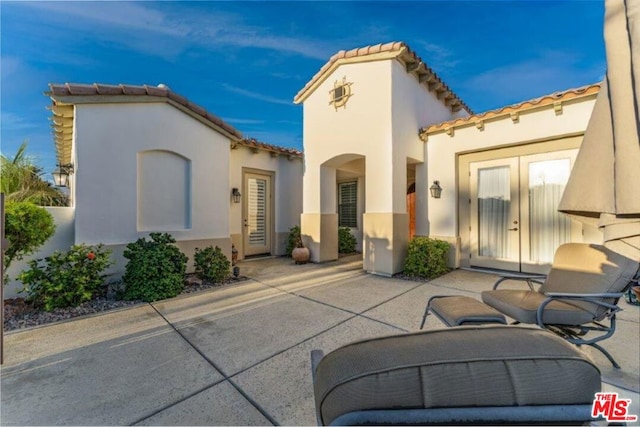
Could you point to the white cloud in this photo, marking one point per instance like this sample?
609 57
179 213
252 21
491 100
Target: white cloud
547 73
437 56
256 95
163 33
132 16
243 121
10 65
282 139
14 122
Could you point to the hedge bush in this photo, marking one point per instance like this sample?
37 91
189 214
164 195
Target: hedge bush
426 258
27 227
155 270
346 241
66 279
294 239
211 264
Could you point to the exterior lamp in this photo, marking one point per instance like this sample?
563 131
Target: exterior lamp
236 195
435 190
61 175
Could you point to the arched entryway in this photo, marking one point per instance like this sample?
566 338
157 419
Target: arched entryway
340 199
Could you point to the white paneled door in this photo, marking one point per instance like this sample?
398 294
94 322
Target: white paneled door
515 223
257 214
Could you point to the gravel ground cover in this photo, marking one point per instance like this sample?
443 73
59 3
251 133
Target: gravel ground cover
19 313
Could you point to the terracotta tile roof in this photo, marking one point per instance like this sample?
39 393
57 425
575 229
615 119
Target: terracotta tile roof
64 96
254 143
58 91
397 50
542 101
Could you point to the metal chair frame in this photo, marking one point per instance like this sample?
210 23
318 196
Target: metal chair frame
575 333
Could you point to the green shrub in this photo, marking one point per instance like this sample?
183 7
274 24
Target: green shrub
155 269
426 258
27 227
66 279
294 240
211 264
346 241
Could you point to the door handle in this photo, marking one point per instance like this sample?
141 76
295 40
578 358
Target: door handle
513 229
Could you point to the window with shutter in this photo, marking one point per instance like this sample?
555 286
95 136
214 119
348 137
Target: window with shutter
348 204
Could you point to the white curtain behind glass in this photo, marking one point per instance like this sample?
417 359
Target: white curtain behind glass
493 212
548 228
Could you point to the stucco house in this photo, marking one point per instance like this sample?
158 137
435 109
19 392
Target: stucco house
145 159
379 124
381 130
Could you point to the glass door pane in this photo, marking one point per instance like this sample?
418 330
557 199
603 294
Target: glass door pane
543 180
495 214
548 228
494 204
257 214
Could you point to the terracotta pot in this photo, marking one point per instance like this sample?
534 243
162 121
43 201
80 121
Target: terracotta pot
300 255
636 290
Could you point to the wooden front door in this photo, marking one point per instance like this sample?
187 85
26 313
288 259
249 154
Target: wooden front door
411 210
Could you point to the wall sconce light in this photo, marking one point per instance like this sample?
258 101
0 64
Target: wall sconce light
61 175
236 195
435 190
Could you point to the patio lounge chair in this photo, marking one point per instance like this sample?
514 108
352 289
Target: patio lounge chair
465 375
581 291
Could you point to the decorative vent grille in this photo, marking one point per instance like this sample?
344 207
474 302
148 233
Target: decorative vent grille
340 93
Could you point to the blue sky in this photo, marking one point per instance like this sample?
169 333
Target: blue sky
245 61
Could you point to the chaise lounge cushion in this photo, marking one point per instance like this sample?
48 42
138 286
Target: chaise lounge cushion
578 268
467 366
523 306
583 268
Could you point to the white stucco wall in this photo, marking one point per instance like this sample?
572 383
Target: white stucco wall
442 149
109 140
287 188
363 128
413 107
380 124
62 240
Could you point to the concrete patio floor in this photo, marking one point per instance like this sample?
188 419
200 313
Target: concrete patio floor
236 355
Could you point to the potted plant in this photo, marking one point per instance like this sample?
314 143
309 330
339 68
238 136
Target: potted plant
300 254
634 290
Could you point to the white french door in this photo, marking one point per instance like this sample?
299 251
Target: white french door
495 214
515 224
257 214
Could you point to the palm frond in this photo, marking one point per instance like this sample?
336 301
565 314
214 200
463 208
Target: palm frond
21 180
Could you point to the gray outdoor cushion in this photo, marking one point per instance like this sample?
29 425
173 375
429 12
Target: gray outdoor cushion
577 268
468 366
584 268
523 305
461 310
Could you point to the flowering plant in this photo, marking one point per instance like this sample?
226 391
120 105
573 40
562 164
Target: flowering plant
66 279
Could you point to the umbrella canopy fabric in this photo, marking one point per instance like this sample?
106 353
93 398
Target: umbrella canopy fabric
604 185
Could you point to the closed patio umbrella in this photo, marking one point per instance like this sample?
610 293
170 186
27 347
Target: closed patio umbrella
604 186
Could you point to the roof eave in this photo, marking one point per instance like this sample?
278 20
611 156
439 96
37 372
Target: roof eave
512 111
412 64
324 74
130 99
